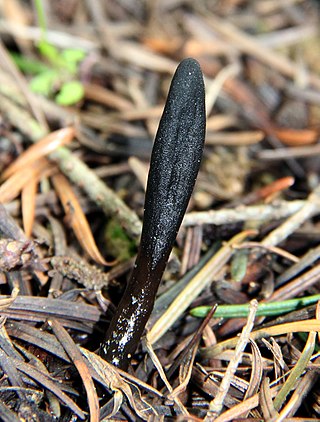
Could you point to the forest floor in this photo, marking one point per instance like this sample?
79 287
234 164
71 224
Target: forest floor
234 330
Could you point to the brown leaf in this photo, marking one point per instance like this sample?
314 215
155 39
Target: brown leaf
77 218
40 149
14 184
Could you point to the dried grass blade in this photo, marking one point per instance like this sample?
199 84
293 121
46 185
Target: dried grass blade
44 380
194 288
275 330
77 218
159 367
117 385
131 379
267 407
50 343
305 385
140 170
185 372
297 370
256 373
187 356
80 363
246 405
306 260
248 45
209 384
20 81
289 226
28 205
257 370
40 149
298 285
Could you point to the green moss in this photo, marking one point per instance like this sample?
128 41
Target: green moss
118 244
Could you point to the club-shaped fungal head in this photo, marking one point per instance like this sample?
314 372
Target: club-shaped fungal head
174 166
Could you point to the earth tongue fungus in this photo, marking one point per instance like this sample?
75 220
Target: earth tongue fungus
175 162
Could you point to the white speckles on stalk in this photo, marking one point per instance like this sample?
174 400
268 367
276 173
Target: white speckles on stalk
130 323
115 361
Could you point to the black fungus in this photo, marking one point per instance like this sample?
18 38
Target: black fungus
175 162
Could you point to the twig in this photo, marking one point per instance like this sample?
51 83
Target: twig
264 212
217 403
293 152
311 207
77 171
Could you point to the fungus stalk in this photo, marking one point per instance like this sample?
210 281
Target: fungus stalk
175 162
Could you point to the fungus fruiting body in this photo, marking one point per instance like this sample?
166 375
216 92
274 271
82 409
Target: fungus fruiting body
174 165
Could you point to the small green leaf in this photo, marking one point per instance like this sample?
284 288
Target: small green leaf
43 83
71 59
29 66
50 52
73 55
70 93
